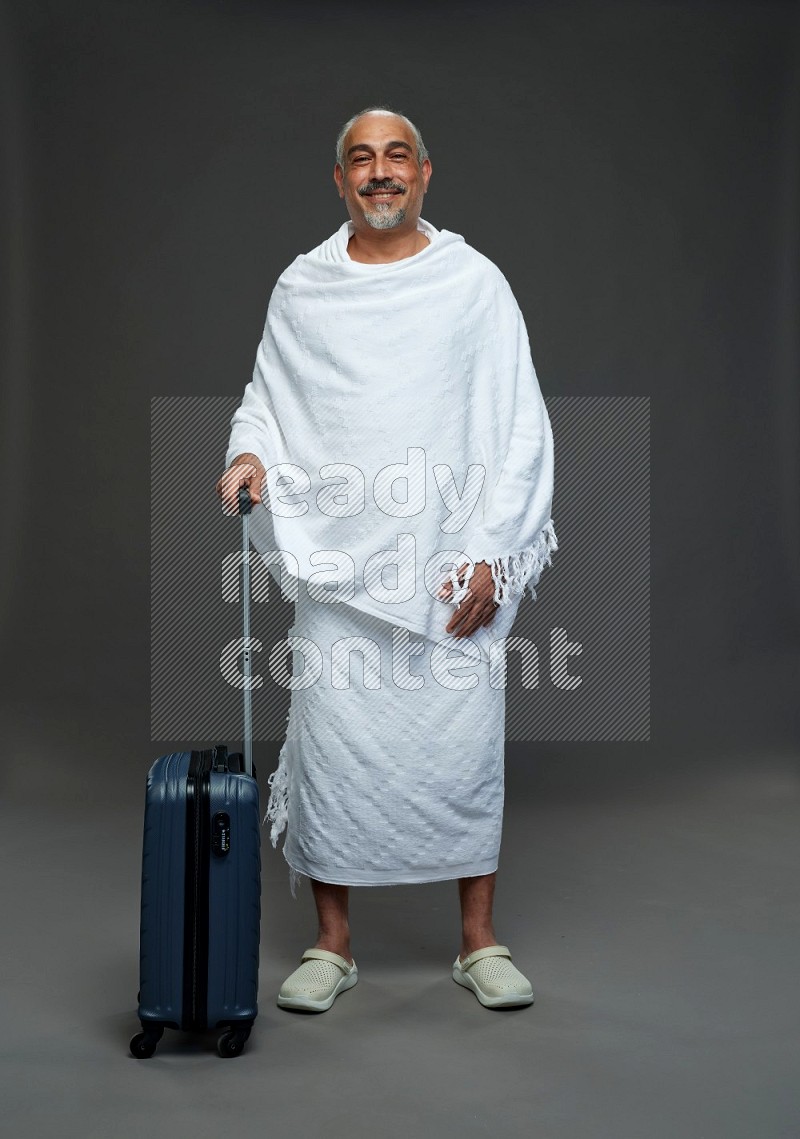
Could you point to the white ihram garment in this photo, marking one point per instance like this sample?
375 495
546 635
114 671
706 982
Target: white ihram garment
415 375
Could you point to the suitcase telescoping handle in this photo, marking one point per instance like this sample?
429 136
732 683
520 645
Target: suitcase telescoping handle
245 506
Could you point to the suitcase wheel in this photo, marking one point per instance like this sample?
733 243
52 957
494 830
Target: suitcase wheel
144 1043
232 1043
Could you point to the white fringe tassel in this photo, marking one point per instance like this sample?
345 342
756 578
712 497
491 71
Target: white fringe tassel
295 877
278 804
278 811
514 573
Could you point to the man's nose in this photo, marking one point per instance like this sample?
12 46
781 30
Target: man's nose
380 169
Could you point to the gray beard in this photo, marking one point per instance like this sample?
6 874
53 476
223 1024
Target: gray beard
385 216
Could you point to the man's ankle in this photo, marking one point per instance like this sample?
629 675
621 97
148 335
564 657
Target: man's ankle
335 943
476 939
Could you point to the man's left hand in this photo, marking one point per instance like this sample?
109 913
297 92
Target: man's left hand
478 607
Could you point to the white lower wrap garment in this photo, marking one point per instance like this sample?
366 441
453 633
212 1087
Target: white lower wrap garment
387 785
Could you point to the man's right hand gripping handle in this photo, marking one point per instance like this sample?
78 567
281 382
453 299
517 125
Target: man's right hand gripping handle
245 470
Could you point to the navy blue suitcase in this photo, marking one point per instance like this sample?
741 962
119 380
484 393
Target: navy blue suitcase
201 885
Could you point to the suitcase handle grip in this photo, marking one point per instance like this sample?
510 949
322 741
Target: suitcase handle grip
245 507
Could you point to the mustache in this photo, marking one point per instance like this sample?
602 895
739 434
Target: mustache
386 184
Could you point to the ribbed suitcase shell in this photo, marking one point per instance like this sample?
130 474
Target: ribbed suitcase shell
233 901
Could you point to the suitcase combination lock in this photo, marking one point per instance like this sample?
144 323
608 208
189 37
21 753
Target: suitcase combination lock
221 833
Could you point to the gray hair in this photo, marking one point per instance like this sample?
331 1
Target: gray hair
422 152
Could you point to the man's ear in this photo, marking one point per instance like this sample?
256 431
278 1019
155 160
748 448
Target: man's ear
427 170
338 177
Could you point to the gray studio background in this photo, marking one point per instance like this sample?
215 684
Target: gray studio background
633 170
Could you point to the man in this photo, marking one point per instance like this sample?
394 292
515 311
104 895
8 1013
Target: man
394 352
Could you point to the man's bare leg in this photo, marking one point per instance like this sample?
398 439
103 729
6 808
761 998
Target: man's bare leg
332 913
477 897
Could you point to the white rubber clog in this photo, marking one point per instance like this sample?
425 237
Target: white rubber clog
317 981
493 979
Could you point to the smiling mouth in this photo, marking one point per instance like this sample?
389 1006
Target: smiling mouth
382 194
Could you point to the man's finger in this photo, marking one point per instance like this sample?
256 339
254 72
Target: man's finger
461 614
478 616
243 474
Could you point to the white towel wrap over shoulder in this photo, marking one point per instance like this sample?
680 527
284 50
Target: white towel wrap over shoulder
420 369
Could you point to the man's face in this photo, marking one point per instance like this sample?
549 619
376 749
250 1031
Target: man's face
382 183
